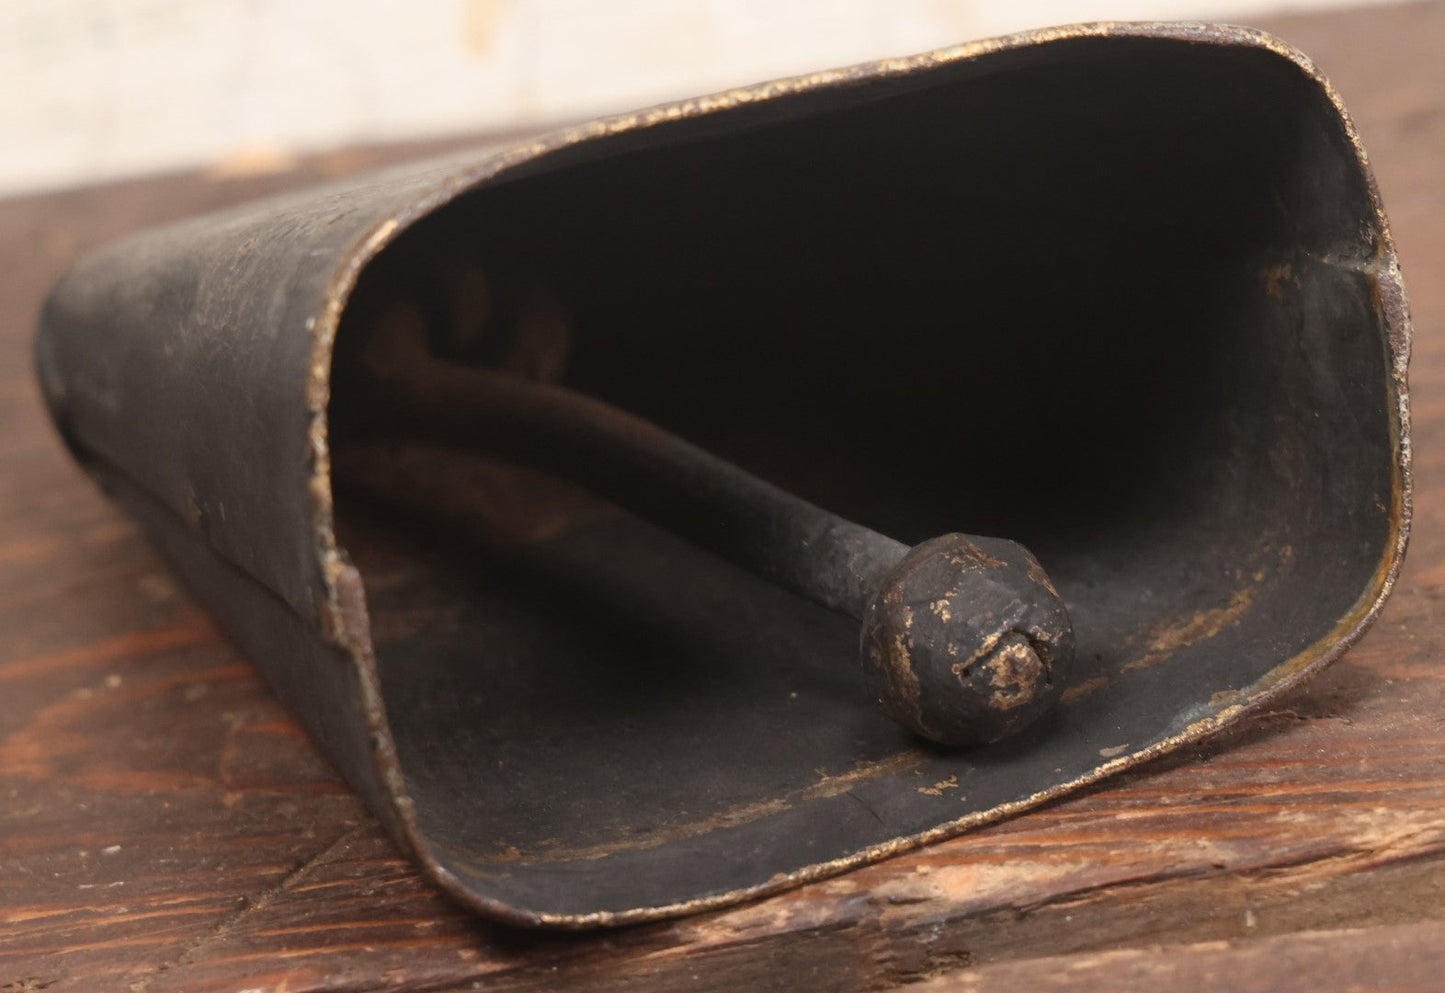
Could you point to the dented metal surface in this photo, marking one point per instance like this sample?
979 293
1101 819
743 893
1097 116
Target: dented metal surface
1123 292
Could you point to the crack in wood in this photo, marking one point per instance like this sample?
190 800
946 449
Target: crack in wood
228 924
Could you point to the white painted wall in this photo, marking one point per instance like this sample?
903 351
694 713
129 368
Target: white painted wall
98 89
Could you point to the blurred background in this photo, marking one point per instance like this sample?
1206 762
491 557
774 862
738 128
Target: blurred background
105 89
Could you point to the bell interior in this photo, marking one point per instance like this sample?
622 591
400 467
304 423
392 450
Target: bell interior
1111 297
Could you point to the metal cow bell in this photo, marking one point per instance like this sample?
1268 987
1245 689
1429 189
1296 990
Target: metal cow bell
585 498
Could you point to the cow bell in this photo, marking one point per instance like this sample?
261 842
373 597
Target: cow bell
585 498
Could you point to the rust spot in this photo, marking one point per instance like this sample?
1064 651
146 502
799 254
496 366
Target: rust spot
985 648
1087 688
1038 575
825 786
967 555
937 789
1224 698
1182 632
1015 672
899 659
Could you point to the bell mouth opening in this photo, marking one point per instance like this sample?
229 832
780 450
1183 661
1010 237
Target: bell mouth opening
1116 298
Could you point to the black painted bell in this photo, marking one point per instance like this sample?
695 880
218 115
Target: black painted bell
1122 294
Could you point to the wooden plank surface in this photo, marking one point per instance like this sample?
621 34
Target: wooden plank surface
165 826
1406 958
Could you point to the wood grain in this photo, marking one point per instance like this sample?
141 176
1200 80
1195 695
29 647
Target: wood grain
1399 959
165 826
